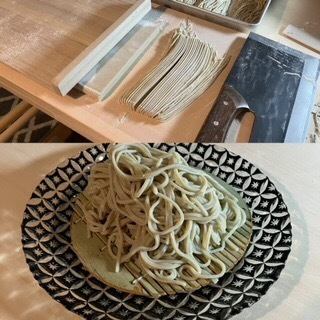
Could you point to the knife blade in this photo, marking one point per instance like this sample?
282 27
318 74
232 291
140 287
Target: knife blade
278 83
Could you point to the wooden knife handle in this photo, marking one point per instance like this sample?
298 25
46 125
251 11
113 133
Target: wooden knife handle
230 104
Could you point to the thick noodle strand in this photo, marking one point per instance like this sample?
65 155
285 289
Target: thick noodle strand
156 210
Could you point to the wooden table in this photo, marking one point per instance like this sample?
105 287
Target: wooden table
295 172
112 121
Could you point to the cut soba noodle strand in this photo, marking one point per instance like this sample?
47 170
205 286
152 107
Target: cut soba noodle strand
245 10
216 6
154 209
249 11
186 72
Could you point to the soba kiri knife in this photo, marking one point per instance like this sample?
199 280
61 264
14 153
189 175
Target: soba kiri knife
272 82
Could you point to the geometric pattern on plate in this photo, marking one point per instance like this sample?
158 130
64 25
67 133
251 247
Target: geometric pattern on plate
56 267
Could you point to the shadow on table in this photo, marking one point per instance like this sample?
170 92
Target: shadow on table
291 275
21 297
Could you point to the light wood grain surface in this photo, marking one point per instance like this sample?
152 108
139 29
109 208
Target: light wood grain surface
79 67
41 38
112 121
299 35
294 170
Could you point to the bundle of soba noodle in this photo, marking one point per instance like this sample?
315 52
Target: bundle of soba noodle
245 10
217 6
154 209
186 71
248 11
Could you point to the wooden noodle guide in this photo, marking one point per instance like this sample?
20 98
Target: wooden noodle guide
108 73
79 67
59 42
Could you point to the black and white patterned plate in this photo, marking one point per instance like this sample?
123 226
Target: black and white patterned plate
46 243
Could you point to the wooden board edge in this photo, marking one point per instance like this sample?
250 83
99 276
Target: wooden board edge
13 115
302 37
47 101
18 124
80 66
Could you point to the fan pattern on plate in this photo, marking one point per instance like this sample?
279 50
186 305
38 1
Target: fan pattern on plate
46 243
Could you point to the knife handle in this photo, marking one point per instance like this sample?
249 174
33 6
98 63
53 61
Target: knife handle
229 106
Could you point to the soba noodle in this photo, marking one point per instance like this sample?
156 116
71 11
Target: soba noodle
156 210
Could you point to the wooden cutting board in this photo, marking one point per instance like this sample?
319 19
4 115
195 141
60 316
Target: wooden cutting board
111 120
40 38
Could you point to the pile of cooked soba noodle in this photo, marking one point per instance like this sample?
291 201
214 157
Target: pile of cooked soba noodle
152 208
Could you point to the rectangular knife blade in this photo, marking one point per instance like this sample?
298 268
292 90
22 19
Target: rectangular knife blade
277 83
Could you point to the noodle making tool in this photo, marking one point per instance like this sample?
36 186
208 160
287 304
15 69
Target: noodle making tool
273 82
